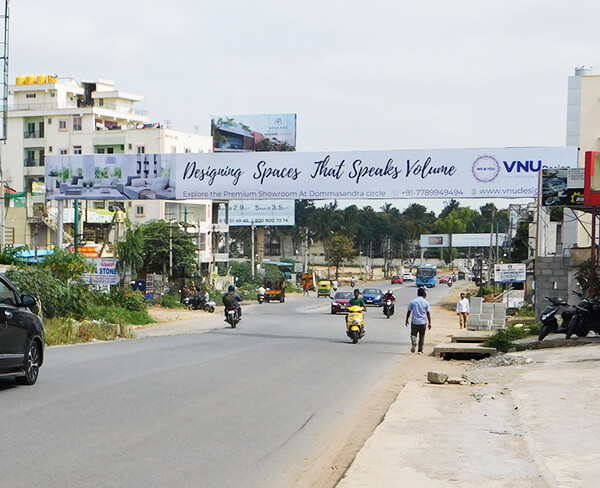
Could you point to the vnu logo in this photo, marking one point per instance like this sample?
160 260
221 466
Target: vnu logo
525 167
485 169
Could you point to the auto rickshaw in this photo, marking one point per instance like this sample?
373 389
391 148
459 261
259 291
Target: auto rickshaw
324 288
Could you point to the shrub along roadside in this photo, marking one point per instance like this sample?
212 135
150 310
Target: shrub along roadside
75 313
503 339
69 331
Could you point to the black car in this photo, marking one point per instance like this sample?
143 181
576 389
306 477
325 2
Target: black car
21 335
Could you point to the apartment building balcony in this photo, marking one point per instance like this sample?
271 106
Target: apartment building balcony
121 109
34 167
36 134
43 106
33 162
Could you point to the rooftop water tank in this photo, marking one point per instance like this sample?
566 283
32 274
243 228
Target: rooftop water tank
52 78
29 80
585 71
41 79
20 80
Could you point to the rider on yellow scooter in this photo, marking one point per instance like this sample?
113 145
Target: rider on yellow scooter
356 307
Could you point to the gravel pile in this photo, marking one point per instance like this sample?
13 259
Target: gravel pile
501 359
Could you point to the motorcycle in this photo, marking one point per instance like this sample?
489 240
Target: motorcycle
449 282
355 320
586 319
260 298
232 316
388 308
549 320
200 304
352 283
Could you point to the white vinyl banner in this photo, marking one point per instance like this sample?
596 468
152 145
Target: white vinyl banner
441 173
412 174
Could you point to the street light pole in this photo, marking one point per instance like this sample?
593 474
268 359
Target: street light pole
252 257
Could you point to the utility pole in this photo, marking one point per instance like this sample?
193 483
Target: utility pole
4 58
252 254
76 224
490 251
170 251
306 250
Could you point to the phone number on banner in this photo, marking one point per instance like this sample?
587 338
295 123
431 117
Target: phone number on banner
431 192
261 221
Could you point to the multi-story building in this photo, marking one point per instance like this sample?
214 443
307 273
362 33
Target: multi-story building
562 246
583 114
49 115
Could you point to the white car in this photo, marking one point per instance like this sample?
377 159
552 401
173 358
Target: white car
408 277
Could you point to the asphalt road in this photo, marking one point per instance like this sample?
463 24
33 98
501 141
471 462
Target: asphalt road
243 407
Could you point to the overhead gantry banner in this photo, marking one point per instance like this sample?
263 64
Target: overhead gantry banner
412 174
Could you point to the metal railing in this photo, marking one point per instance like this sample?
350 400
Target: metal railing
119 108
33 162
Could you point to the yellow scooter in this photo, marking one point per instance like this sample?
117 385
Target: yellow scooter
355 321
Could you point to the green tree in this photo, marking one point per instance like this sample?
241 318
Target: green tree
454 222
130 250
161 239
418 221
10 255
338 249
65 265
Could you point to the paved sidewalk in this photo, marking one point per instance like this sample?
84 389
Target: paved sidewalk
530 425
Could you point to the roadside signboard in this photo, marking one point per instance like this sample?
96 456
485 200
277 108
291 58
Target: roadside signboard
105 272
509 273
563 187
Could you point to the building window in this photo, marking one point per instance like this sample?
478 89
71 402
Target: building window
62 125
63 151
30 95
187 150
49 121
100 150
52 95
202 242
141 149
30 161
110 150
49 149
140 211
100 102
77 150
77 123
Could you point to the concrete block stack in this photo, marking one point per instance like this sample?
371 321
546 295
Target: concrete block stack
486 316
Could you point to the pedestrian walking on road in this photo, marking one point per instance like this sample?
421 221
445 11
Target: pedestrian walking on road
306 288
462 310
421 319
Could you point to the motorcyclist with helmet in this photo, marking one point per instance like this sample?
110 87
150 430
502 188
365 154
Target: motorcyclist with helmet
389 295
232 298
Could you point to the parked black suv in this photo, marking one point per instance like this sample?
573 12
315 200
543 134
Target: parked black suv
21 335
